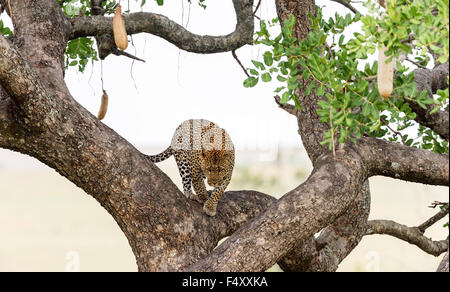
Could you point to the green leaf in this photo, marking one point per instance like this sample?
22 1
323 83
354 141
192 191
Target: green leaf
285 97
250 82
320 90
279 89
259 65
266 77
254 72
268 58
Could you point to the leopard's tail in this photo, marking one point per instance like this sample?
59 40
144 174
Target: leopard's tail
161 156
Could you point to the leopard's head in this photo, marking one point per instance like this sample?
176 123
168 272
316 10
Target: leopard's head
217 165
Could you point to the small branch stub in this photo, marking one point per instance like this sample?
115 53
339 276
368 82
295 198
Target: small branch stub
103 106
385 74
120 33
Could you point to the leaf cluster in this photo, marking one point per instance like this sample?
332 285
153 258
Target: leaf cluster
338 69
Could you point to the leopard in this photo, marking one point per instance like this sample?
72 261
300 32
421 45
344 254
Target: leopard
202 150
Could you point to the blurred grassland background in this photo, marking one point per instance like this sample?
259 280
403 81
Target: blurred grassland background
45 220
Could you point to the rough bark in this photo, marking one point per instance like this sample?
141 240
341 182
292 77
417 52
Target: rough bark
431 81
313 205
334 243
405 163
444 266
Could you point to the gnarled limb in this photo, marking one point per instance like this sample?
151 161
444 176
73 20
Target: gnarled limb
444 266
169 30
411 235
403 162
431 81
325 195
334 243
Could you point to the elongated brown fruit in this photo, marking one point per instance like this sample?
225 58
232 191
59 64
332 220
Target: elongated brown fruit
120 33
103 106
385 74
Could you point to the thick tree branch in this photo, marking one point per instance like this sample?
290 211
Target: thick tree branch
22 84
403 162
411 235
334 243
444 265
431 81
10 130
236 208
171 31
325 195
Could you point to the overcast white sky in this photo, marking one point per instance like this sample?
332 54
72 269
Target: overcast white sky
173 85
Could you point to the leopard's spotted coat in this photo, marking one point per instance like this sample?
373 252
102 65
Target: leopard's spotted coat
201 150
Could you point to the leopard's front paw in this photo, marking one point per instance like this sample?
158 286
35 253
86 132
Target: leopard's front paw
189 194
194 197
201 198
210 208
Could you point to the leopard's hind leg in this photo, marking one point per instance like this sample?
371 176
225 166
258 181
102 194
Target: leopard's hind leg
183 168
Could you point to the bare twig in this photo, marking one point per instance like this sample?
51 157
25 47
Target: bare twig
409 39
441 214
329 51
396 133
233 52
415 63
257 7
10 10
347 4
118 52
437 203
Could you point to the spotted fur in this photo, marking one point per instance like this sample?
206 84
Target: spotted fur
202 150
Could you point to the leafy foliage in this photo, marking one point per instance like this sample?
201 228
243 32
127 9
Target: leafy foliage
5 30
79 51
341 73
